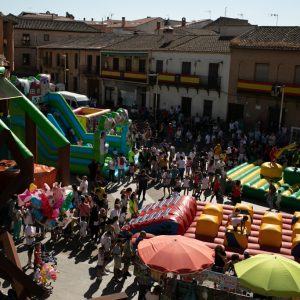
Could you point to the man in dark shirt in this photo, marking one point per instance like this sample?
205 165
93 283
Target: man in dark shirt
143 179
93 168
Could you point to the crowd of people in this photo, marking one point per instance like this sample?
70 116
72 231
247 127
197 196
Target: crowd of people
188 156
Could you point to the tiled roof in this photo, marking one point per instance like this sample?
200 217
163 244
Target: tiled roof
183 43
224 21
194 31
134 23
55 25
270 37
91 43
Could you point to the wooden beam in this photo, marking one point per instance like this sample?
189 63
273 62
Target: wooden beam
10 266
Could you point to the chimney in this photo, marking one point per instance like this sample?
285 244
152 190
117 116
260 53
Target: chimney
92 19
107 18
167 35
183 22
157 26
83 19
123 22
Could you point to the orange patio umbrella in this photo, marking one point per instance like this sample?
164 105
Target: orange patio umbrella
175 254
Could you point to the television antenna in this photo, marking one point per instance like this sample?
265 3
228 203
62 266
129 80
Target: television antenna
276 17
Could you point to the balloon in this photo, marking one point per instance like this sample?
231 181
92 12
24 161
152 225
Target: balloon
46 207
24 198
32 187
67 203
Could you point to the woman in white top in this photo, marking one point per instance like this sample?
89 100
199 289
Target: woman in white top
181 166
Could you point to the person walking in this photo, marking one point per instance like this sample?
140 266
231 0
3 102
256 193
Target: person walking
143 179
271 195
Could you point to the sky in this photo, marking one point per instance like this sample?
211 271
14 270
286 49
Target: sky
258 12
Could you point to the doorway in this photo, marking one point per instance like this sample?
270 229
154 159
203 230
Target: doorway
207 109
235 112
186 106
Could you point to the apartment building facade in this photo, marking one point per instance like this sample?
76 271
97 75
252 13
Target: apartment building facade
76 62
164 71
265 77
34 31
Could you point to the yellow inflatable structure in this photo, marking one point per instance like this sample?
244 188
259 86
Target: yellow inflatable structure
271 170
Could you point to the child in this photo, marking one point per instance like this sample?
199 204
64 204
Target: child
216 189
186 185
122 217
38 255
117 254
196 182
188 165
100 263
177 183
83 228
166 182
204 186
131 171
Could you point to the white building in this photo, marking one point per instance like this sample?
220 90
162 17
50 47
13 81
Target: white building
193 72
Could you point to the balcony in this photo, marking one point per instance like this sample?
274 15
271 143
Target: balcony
169 79
127 76
251 86
193 81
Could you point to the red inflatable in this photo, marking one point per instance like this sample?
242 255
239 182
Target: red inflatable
170 216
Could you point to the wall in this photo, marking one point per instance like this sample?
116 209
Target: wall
282 66
37 39
199 66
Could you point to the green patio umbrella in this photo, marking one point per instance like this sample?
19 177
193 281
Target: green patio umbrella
270 275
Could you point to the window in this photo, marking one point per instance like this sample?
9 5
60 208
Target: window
98 64
213 73
46 37
89 63
142 66
186 68
297 75
128 65
58 59
159 66
26 59
116 64
76 61
26 39
262 72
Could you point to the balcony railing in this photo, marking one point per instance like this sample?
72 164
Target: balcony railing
128 76
251 86
204 82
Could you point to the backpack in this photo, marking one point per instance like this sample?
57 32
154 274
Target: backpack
122 161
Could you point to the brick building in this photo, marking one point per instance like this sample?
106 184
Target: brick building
34 30
262 61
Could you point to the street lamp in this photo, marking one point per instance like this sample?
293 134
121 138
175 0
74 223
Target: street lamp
281 104
156 93
65 69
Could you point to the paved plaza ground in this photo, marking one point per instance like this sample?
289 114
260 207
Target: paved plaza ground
77 277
